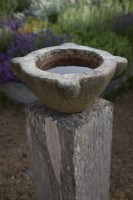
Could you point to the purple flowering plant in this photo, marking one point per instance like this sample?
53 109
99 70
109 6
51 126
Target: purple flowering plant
19 44
10 23
123 25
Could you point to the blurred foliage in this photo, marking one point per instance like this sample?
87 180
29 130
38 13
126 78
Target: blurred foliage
93 27
109 41
11 6
5 39
124 89
33 25
92 24
123 25
46 9
8 6
88 17
22 5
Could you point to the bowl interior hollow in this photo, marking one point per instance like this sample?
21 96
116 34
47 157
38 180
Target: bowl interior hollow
69 57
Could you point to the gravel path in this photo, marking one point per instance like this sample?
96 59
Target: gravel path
15 170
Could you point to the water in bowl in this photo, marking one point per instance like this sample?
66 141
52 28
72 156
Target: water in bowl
70 70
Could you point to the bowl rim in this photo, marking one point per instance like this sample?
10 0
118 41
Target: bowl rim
28 63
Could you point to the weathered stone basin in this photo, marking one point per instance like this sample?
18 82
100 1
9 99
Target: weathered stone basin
70 92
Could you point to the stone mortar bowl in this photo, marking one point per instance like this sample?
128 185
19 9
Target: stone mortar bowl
68 93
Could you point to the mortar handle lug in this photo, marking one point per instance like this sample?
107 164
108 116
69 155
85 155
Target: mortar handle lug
121 65
70 90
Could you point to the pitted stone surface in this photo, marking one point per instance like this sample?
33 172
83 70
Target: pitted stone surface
68 93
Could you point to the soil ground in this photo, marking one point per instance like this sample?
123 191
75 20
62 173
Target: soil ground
15 170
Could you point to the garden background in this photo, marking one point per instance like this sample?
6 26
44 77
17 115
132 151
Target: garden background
29 25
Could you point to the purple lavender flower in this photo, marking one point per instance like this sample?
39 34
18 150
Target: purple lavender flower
24 43
123 24
10 23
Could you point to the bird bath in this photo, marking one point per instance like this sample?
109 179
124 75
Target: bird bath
68 78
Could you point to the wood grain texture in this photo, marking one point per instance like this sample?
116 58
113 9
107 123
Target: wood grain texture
71 153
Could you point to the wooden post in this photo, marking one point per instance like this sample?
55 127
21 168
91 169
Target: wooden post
71 153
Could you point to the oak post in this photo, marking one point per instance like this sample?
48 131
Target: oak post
71 153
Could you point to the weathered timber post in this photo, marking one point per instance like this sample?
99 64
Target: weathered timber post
71 152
